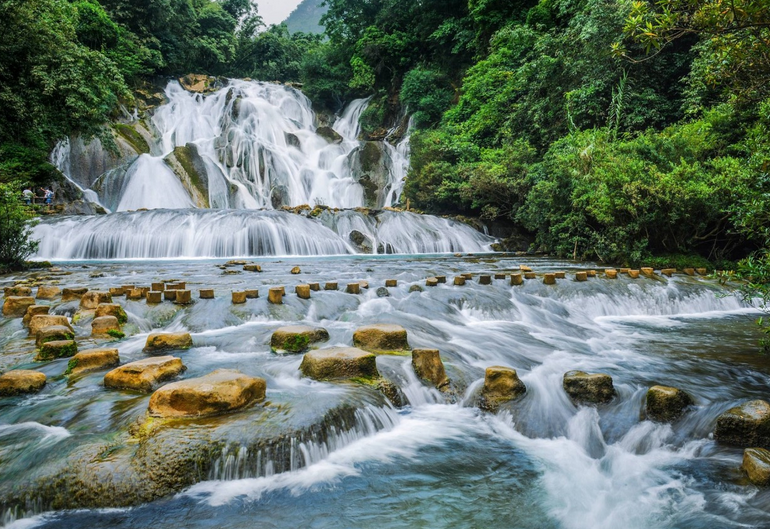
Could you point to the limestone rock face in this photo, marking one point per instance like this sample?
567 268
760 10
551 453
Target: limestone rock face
41 321
585 388
16 306
747 425
165 341
501 384
428 366
756 464
34 310
56 349
17 291
339 363
381 337
20 381
198 83
220 391
53 333
102 325
296 338
112 309
666 404
91 300
48 292
144 375
92 360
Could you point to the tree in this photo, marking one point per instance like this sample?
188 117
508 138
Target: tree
15 243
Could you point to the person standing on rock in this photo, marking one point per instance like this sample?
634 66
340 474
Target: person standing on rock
47 196
28 195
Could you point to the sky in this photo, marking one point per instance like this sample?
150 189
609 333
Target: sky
276 11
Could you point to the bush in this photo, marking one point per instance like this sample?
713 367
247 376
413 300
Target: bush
15 243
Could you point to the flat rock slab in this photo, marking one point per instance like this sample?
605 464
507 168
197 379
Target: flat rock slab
167 341
91 300
588 388
220 391
48 292
339 363
756 464
41 321
666 404
144 375
92 360
32 311
16 306
20 291
296 338
747 425
381 338
21 381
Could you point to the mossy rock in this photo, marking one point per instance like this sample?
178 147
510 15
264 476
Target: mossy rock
296 338
56 349
132 136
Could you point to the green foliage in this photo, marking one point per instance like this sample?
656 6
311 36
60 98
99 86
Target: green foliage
15 243
118 335
427 94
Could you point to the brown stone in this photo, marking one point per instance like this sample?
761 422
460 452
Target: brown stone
647 271
275 295
585 388
127 288
296 270
485 279
459 281
296 338
756 464
581 276
56 349
135 294
41 321
34 310
549 279
330 286
303 291
530 275
339 363
117 292
71 294
159 342
112 309
501 384
353 288
47 292
668 271
624 270
560 275
441 279
524 268
183 297
16 306
666 404
428 366
206 293
53 333
90 300
689 271
431 282
468 276
701 271
154 297
92 360
252 268
499 276
17 292
158 287
238 298
103 325
633 274
176 286
221 391
517 279
21 381
591 273
381 338
144 375
315 287
746 425
252 293
611 273
169 295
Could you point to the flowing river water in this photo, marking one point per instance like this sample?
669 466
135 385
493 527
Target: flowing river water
541 462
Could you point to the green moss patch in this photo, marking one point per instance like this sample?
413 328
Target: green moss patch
136 140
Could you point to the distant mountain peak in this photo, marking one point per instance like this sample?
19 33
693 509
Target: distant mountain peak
307 17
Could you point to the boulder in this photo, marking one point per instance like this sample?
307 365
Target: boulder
549 279
91 300
47 292
391 283
648 271
459 281
353 288
158 287
611 273
71 294
34 310
296 338
92 360
159 342
303 291
20 381
501 384
416 288
666 404
381 337
585 388
198 83
56 349
530 275
431 282
560 275
207 293
296 270
581 276
756 464
221 391
252 268
315 287
137 293
17 291
383 292
485 279
747 425
112 309
238 298
144 375
516 280
183 297
330 286
105 326
251 293
329 134
53 333
275 295
428 366
633 274
41 321
169 295
16 306
339 363
154 296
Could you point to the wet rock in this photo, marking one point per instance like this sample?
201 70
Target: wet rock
252 268
53 333
581 276
315 287
633 274
92 360
459 281
382 292
666 404
91 300
17 291
549 279
296 270
530 275
183 297
251 293
668 272
56 349
112 309
391 283
158 287
363 284
501 384
381 338
756 464
238 298
517 279
339 363
275 295
353 288
207 293
296 338
47 292
137 293
21 381
198 83
32 311
428 366
560 275
499 276
105 326
701 271
585 388
303 291
221 391
485 279
41 321
144 375
747 425
167 341
431 282
329 134
71 294
331 286
169 295
611 273
415 288
648 271
689 271
16 306
154 297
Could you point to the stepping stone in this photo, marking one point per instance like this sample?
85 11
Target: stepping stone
92 360
588 388
21 381
428 366
296 338
165 341
144 375
381 338
339 363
